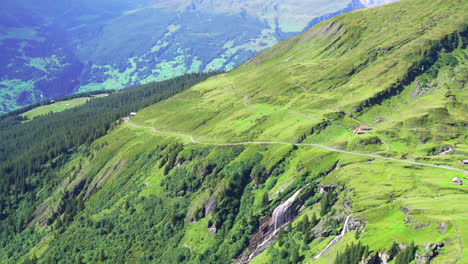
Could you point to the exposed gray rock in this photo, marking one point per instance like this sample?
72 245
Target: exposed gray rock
442 228
421 89
321 230
378 258
354 224
210 204
324 189
269 227
445 151
372 259
385 257
432 250
211 228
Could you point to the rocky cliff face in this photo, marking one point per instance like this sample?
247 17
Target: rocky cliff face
424 256
269 227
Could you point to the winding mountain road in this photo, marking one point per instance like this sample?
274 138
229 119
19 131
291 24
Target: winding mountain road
383 151
298 144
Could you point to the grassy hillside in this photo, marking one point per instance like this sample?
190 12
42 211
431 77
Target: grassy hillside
116 44
59 106
365 65
201 177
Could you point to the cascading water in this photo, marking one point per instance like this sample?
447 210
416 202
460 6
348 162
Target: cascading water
280 217
282 213
343 232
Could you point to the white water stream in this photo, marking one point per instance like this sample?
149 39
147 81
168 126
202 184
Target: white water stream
343 232
280 217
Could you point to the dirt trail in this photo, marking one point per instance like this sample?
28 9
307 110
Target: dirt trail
299 144
383 151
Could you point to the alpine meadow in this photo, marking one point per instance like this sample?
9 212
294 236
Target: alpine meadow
347 144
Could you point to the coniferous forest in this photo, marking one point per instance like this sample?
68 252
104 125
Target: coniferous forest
27 145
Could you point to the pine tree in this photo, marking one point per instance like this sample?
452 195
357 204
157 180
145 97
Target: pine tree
305 224
280 237
295 256
79 259
265 199
102 255
314 220
306 237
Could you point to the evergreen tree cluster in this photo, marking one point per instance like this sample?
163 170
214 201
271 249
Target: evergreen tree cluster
406 255
327 202
31 152
26 146
353 254
305 226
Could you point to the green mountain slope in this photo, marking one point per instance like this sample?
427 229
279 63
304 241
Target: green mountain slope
261 165
58 48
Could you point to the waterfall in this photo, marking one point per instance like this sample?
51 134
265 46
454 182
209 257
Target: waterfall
280 217
282 213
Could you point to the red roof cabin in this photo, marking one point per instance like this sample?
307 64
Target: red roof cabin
361 129
358 131
365 127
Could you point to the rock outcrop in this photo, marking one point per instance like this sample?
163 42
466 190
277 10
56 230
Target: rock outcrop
269 227
432 250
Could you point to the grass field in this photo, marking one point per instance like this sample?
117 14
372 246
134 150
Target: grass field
59 106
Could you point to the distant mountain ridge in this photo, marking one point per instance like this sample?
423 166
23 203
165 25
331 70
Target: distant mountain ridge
58 48
372 3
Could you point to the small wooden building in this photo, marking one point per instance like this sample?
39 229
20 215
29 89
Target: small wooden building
464 162
457 181
358 131
365 127
133 114
361 129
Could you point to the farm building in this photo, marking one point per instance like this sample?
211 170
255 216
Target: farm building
464 162
133 114
457 181
361 129
365 127
358 131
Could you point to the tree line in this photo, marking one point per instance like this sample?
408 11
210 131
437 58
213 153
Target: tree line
25 147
